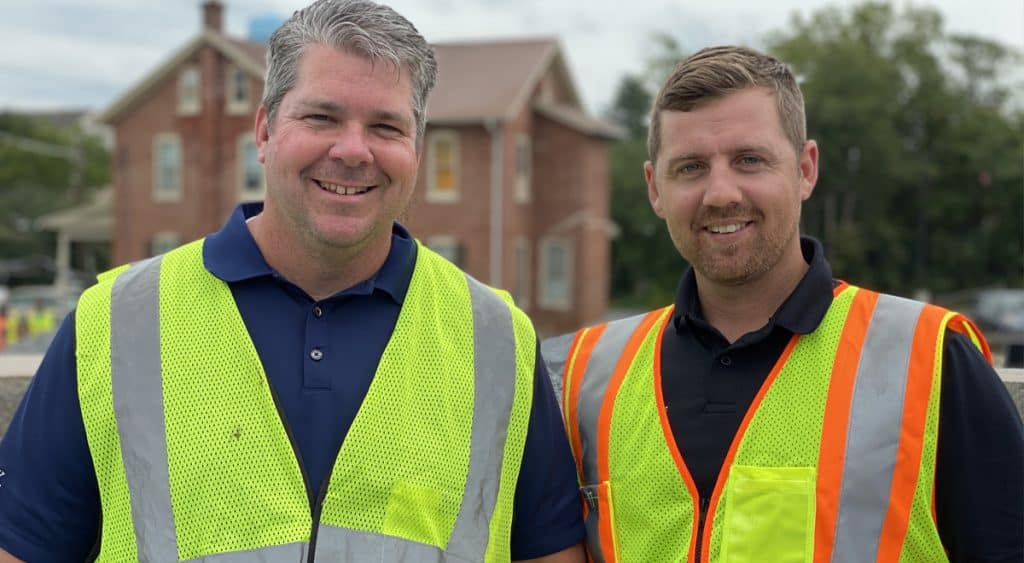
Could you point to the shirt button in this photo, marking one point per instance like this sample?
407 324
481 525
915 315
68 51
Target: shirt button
726 361
318 312
316 355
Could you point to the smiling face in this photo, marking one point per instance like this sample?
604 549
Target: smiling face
729 185
340 155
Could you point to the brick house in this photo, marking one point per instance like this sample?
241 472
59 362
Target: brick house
514 183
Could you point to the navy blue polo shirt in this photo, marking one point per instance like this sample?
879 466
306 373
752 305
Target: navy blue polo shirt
319 357
708 385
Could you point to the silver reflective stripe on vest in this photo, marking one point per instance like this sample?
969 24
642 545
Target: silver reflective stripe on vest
555 351
597 375
495 385
139 407
341 544
288 553
873 432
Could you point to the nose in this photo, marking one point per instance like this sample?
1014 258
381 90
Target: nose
350 145
722 188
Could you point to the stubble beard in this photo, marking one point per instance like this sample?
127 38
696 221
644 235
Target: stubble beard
741 262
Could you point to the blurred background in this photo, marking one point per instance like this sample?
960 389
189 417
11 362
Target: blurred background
918 109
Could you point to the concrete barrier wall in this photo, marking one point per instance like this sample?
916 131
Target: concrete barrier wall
16 372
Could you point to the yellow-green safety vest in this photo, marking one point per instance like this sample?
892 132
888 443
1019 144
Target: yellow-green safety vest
194 462
834 460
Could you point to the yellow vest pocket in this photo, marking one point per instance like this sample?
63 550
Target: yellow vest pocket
769 515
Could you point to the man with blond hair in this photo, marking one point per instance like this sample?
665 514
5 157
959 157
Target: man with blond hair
774 413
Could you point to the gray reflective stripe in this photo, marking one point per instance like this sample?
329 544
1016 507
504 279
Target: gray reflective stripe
288 553
139 407
340 544
873 432
596 377
555 350
592 522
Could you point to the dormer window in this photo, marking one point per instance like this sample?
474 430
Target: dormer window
188 91
238 91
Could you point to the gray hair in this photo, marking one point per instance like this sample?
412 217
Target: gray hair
362 27
715 72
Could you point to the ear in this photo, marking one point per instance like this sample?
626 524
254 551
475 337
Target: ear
808 169
652 189
262 130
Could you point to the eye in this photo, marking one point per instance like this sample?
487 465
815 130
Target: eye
317 118
750 160
689 168
389 128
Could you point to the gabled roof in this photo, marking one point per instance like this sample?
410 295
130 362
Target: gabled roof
486 80
477 81
242 53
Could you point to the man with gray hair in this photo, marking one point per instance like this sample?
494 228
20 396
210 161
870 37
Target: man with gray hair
774 413
308 383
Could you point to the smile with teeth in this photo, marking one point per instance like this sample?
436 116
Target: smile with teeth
343 190
725 229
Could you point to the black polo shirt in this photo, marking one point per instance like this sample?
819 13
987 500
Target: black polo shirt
708 385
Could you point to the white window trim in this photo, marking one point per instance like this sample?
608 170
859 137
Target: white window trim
434 195
162 195
523 272
544 300
237 107
437 242
193 105
523 185
244 194
164 241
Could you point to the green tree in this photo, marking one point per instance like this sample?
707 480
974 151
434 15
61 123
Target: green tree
921 177
645 264
33 183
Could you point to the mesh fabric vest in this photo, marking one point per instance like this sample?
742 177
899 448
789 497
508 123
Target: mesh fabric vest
194 462
834 460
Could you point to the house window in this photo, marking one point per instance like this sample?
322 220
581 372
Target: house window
524 169
188 91
164 242
251 184
555 273
448 247
166 167
521 290
238 91
443 166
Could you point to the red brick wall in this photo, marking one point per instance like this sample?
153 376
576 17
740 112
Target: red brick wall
209 143
571 173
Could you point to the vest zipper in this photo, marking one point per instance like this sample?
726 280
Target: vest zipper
702 515
317 509
314 509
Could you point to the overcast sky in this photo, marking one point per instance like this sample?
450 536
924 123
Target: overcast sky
85 53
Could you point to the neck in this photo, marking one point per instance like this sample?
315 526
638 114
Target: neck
735 310
319 270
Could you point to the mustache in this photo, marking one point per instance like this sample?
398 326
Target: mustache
354 175
731 211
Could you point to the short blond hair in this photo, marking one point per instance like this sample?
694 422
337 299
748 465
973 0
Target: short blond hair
715 72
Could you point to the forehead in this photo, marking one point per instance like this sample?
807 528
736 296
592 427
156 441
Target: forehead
325 69
750 116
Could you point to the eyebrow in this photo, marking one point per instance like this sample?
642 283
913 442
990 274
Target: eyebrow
761 149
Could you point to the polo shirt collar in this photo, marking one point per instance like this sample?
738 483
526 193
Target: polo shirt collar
231 254
800 313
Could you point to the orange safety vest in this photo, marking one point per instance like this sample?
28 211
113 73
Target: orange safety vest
834 460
